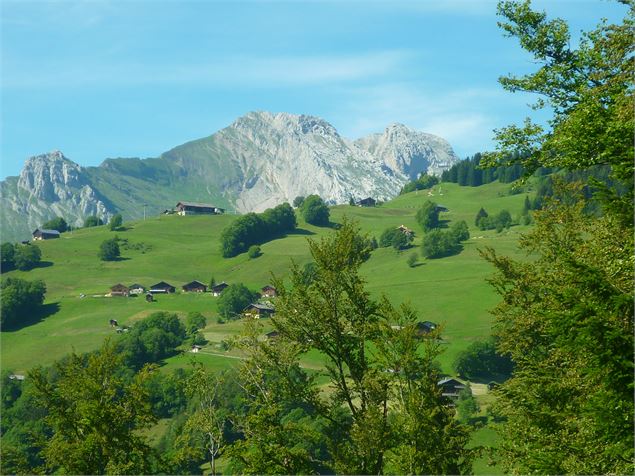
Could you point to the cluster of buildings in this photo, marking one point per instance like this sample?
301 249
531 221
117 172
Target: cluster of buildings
255 310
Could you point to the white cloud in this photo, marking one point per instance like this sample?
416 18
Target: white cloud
249 71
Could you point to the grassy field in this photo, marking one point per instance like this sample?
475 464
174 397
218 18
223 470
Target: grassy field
451 291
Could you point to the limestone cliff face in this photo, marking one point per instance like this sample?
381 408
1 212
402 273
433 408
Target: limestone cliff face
49 185
409 152
282 156
259 161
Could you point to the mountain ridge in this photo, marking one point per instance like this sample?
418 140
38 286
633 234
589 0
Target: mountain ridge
258 161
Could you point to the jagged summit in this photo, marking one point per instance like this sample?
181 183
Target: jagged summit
260 160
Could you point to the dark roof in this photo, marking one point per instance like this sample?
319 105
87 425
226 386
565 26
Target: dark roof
136 286
195 282
265 288
367 200
119 286
261 306
426 325
451 381
47 232
194 204
161 285
219 286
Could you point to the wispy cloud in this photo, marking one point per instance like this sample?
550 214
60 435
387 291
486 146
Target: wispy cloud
249 71
458 115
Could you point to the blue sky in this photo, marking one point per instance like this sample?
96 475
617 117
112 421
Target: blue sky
98 79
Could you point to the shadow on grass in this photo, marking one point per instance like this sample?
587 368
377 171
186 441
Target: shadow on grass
43 264
416 265
301 231
38 315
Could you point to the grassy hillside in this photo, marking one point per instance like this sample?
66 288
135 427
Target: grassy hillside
451 291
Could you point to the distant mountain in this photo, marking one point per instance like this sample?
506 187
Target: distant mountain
259 161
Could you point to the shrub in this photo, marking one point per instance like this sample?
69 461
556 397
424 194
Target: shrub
479 216
115 222
20 298
234 299
254 252
26 257
412 260
460 231
428 216
7 254
481 361
437 243
315 211
93 221
297 201
109 250
194 321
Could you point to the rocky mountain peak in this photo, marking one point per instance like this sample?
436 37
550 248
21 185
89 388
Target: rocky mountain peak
261 160
48 176
408 151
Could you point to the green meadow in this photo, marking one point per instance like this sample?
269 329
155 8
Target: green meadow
451 291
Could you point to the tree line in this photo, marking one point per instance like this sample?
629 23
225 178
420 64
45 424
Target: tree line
255 228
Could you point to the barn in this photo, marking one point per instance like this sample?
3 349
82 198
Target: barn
192 208
45 234
195 287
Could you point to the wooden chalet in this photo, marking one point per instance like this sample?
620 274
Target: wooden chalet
425 327
259 309
450 388
195 287
119 290
405 230
137 289
192 208
366 202
196 348
45 234
162 287
268 291
217 289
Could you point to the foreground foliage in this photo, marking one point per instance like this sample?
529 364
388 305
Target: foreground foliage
566 319
94 412
385 413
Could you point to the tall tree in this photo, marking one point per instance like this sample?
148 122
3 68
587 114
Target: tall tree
567 321
567 318
384 394
589 90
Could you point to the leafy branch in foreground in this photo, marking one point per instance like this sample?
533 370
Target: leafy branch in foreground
382 412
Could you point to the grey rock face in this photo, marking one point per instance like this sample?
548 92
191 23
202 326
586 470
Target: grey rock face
409 152
261 160
49 185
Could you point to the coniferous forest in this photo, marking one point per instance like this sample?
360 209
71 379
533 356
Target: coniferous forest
560 357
